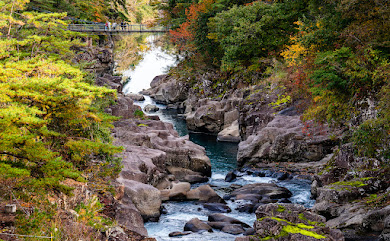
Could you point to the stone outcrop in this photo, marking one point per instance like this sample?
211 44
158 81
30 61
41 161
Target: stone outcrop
256 110
186 175
211 116
157 135
204 194
101 59
146 198
269 135
283 139
153 154
128 216
165 90
150 146
202 115
344 197
292 222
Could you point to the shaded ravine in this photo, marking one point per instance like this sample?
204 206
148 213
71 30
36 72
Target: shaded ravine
221 154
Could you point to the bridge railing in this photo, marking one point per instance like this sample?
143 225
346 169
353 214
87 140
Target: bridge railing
118 28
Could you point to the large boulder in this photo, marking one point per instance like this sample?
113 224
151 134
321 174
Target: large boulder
142 164
179 191
227 224
196 225
151 108
135 97
204 194
233 229
145 198
217 207
166 90
128 216
292 222
230 133
124 107
179 234
212 116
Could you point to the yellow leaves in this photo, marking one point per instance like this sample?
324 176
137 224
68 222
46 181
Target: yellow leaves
213 36
4 98
317 98
294 53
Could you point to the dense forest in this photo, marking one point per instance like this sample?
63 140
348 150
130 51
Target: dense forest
330 56
54 133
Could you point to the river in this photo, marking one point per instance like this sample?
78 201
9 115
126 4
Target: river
152 60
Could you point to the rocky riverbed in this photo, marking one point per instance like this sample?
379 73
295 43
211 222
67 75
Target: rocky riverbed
350 192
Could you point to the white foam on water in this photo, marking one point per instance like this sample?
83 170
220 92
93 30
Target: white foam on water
218 176
254 179
154 63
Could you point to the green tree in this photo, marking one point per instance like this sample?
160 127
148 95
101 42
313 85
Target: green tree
51 123
249 34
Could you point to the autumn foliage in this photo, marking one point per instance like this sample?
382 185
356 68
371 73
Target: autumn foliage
185 33
334 56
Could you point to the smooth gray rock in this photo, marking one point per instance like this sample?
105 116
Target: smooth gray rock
135 97
146 198
230 133
218 217
205 194
178 234
151 108
217 207
196 225
233 229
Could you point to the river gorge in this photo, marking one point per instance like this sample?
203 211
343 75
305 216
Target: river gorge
223 156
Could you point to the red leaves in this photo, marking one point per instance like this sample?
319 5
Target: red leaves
185 33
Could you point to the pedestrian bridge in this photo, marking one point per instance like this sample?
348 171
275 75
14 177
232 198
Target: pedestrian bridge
100 28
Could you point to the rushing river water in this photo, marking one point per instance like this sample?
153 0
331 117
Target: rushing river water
154 61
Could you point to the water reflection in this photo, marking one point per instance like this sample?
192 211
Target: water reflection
141 57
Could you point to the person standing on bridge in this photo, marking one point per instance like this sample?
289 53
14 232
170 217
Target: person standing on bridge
106 26
114 26
109 26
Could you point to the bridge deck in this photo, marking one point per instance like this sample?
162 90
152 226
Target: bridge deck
128 28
